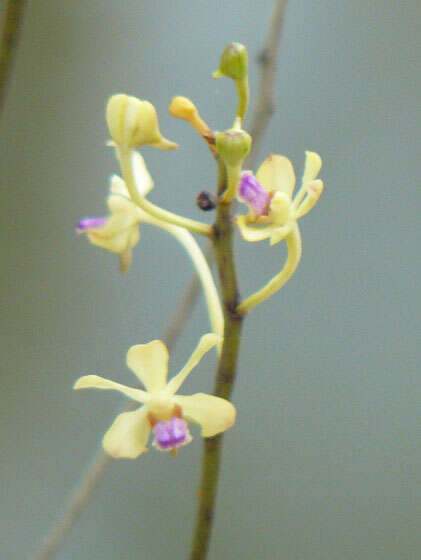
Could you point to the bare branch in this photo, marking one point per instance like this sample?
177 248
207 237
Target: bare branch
265 105
9 42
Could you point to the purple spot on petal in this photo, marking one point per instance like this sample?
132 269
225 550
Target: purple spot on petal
171 434
88 223
253 194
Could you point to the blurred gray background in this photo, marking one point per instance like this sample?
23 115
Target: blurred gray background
324 461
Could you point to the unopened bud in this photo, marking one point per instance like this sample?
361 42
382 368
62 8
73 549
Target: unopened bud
133 123
233 62
182 108
206 201
233 146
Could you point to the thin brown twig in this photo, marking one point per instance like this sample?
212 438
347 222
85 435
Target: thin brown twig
8 43
265 104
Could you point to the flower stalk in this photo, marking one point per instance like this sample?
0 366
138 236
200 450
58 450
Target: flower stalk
203 271
293 241
225 376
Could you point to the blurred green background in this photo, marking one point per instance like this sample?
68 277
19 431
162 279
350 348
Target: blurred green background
324 461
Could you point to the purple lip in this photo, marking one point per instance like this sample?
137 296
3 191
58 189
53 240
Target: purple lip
170 434
253 194
88 223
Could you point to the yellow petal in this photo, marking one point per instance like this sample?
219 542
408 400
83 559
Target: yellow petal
312 167
314 190
277 173
213 414
150 363
207 342
126 255
143 180
119 199
128 435
97 382
252 233
116 243
281 209
117 223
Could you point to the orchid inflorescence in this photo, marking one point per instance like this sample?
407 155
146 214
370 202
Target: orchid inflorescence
273 214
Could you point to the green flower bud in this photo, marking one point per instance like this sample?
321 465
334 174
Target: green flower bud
233 62
233 146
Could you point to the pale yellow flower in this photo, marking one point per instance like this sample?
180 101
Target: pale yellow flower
133 123
163 411
119 232
273 212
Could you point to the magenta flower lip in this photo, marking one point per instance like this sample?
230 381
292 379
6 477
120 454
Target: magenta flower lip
253 194
171 434
88 223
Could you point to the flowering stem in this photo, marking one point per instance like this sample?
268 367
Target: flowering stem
155 211
293 241
224 256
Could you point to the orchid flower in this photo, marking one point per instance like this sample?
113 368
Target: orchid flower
119 232
163 412
272 210
274 213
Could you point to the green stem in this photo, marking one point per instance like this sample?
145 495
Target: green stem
223 247
243 93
